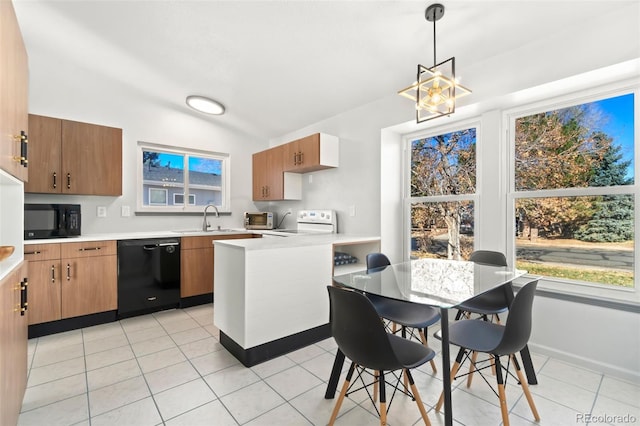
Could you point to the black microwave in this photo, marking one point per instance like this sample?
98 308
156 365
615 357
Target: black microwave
51 221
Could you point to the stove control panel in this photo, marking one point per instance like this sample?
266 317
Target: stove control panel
317 216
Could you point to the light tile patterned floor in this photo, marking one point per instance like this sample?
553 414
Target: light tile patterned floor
168 368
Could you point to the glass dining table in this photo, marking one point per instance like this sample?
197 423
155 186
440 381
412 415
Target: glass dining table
435 282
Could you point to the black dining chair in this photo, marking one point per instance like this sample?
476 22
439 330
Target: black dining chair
476 335
361 336
490 303
411 317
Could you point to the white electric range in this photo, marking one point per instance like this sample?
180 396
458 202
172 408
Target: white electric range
310 222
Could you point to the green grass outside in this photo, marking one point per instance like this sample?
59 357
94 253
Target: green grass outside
619 278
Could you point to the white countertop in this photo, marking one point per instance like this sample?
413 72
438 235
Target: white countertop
137 235
275 242
267 242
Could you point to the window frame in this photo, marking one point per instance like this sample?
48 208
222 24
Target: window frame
408 200
225 184
555 284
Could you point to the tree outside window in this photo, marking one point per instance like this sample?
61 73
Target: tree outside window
575 192
443 182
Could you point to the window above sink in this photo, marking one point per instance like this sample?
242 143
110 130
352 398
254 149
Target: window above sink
176 180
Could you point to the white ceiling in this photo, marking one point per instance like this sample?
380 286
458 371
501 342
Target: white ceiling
281 65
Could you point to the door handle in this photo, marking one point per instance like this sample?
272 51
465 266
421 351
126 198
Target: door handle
24 302
68 180
53 274
55 180
68 272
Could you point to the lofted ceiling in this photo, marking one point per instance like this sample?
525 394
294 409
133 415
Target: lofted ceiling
278 66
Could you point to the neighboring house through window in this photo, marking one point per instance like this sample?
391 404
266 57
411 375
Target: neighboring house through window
168 176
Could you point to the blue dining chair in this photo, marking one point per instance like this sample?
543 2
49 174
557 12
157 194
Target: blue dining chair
362 338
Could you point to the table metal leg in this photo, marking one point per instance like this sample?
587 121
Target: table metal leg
338 362
446 366
528 366
527 363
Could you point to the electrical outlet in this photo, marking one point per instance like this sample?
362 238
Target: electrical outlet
125 211
102 211
310 178
352 211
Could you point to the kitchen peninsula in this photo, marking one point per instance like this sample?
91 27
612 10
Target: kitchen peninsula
271 295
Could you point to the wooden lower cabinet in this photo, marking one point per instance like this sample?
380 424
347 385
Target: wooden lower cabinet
13 346
44 291
196 271
90 285
71 280
196 263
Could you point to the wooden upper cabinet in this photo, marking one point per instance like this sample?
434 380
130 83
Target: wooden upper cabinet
45 154
269 181
14 84
312 153
70 157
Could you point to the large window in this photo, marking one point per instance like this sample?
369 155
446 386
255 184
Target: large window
574 192
168 177
442 194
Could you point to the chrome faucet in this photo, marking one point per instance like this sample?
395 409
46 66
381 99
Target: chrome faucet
205 225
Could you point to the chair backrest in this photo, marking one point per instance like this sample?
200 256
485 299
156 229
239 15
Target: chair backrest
517 330
358 330
377 261
488 257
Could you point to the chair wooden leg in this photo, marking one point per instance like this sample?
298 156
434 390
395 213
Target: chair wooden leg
343 392
416 395
383 401
423 337
376 377
454 371
472 368
501 393
525 388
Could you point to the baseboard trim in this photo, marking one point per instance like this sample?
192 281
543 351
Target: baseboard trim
261 353
599 367
46 328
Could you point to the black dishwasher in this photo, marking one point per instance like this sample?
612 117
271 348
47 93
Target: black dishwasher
148 276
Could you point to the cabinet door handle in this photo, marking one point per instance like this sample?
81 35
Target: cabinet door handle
89 248
295 158
24 302
28 253
22 159
68 180
53 274
301 157
23 149
55 180
68 272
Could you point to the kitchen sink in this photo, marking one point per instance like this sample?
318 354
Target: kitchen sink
209 231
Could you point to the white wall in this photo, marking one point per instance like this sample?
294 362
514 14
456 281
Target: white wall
89 96
368 176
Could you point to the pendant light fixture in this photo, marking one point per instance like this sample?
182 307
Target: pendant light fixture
436 89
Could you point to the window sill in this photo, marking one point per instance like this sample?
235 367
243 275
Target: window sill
547 289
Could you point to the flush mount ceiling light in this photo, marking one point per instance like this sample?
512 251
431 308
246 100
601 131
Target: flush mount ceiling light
206 105
436 89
